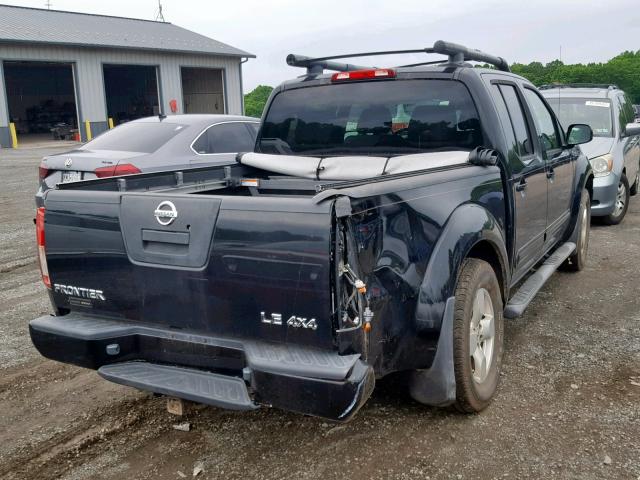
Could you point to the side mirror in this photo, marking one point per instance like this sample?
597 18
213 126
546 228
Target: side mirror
631 130
579 133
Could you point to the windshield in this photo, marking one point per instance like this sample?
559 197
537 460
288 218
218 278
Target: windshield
142 137
379 118
594 112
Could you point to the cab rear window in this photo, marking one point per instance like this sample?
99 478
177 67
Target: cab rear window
372 118
142 137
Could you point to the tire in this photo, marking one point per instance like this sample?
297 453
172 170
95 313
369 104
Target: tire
578 259
622 203
477 295
633 191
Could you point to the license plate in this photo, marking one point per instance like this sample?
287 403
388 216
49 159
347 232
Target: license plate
70 177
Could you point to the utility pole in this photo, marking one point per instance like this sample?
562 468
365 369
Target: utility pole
48 4
159 15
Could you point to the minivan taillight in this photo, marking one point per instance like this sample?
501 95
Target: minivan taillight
40 239
122 169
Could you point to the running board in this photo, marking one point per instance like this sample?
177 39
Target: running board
522 298
189 384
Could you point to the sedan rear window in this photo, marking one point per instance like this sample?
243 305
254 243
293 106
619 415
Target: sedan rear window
380 118
142 137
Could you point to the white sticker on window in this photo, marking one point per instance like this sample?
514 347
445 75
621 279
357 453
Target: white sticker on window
591 103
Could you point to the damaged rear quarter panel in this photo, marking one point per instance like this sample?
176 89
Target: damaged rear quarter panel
398 237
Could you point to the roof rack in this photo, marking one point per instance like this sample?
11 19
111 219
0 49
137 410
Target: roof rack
457 55
607 86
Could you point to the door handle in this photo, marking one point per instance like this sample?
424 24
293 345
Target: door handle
521 186
551 173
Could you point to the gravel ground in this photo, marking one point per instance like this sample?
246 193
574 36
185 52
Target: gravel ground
568 406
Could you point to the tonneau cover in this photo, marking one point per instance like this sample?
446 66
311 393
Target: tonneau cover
351 167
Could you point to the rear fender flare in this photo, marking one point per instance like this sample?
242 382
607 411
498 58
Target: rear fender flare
583 178
468 225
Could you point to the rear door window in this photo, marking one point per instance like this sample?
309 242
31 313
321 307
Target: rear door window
516 114
225 138
253 129
545 124
505 120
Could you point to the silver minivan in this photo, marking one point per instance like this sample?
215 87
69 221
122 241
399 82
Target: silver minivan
614 152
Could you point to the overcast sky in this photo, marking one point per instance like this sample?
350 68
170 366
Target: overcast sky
520 31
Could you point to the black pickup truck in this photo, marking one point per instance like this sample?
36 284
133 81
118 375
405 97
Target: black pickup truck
387 221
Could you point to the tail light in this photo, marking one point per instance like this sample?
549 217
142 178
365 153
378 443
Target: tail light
43 171
40 239
122 169
364 74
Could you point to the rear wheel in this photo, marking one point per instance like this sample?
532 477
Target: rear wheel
478 334
578 259
621 203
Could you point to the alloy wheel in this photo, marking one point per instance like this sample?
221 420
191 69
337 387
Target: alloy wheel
481 336
621 200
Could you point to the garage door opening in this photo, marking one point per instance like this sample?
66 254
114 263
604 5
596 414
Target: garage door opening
202 90
131 92
42 101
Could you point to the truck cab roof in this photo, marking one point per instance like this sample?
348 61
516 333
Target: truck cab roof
442 71
457 61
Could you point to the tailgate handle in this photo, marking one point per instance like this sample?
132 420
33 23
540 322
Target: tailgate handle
158 236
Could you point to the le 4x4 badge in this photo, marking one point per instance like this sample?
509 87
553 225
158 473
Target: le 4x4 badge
295 322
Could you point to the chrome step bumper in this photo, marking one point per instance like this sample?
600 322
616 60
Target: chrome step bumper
195 385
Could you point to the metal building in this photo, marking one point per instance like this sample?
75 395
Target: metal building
78 74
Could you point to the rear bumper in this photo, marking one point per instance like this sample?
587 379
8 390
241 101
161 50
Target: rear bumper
198 367
605 190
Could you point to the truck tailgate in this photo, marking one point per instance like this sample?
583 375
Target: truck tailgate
226 265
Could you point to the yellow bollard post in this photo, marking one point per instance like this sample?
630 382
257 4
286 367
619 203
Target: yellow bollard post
87 127
14 136
110 123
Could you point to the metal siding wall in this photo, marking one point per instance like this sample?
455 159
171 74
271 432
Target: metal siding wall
4 121
171 81
90 81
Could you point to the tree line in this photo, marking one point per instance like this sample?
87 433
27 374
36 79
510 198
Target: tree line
622 70
255 101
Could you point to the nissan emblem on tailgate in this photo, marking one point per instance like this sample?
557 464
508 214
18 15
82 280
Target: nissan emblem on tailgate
166 213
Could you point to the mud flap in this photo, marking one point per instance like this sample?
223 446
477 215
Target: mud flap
436 385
